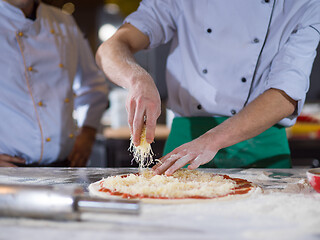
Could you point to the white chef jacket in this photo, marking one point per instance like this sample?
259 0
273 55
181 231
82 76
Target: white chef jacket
226 53
46 70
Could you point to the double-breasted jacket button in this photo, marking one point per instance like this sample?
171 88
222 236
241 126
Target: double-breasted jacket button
256 40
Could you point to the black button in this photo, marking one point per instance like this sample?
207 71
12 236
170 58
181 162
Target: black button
267 1
256 40
205 71
243 79
199 107
209 30
233 112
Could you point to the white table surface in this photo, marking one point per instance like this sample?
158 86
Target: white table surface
288 208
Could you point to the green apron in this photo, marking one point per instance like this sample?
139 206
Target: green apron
269 149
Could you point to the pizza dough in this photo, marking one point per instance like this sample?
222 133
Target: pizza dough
184 186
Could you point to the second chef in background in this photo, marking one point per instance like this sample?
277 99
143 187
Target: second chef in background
47 71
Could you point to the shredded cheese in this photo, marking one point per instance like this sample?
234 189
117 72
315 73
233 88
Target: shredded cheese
142 154
182 184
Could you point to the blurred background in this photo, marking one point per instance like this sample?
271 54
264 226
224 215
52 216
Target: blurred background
98 20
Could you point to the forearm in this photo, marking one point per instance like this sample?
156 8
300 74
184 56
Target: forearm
115 57
117 62
88 131
261 114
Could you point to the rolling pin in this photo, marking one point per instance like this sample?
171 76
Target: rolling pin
60 203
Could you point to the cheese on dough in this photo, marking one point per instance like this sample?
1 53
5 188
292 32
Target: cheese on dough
182 184
142 154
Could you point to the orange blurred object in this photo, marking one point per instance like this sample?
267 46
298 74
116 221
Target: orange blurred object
305 127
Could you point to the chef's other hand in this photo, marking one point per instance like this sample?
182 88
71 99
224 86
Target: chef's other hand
143 104
82 147
196 153
9 161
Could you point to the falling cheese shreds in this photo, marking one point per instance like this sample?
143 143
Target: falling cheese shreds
182 184
142 154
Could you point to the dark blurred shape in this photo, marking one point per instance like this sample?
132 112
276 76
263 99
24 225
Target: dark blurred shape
85 14
126 6
314 90
91 15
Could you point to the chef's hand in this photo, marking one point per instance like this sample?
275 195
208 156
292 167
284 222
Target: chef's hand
196 153
143 103
9 161
82 148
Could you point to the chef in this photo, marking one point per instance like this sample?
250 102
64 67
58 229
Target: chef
237 75
47 70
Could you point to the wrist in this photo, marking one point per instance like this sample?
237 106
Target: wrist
218 138
139 82
89 132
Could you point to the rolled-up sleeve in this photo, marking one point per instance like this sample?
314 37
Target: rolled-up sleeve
155 19
291 67
90 86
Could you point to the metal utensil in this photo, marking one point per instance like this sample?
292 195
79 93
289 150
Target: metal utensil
52 202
